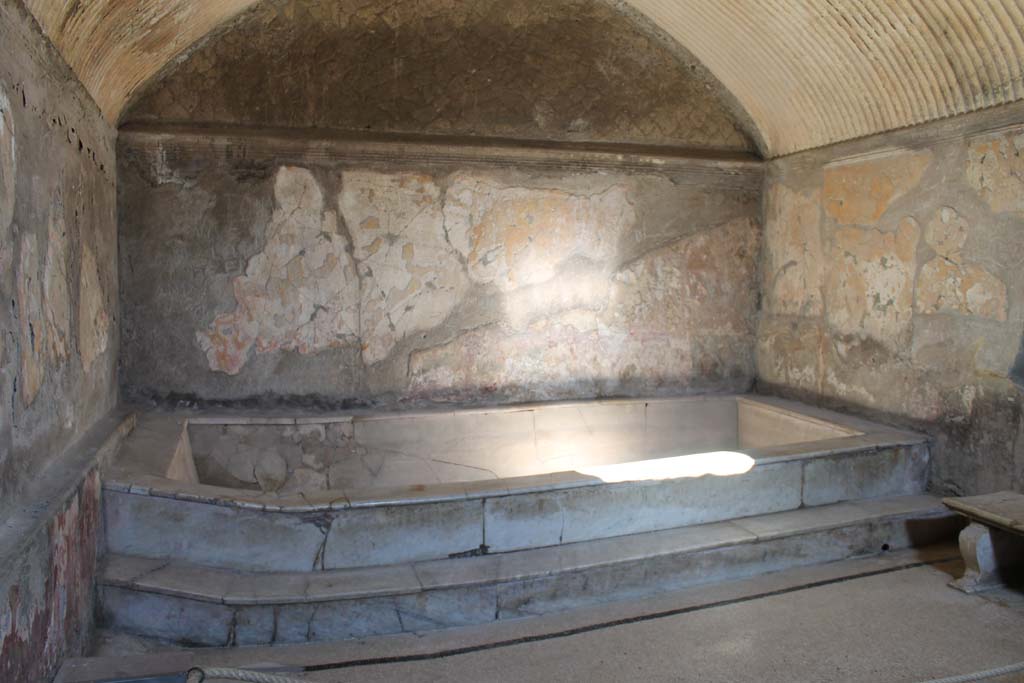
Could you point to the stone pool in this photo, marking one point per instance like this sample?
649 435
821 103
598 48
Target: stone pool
291 492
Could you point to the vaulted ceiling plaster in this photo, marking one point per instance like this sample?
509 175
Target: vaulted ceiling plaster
813 72
807 72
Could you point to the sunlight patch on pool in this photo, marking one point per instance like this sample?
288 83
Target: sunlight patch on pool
717 463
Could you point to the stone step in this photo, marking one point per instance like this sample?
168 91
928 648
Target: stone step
200 605
162 519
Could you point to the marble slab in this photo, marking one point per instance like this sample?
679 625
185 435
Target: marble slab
1004 509
580 514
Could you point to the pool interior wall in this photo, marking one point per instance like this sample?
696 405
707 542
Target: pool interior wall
345 452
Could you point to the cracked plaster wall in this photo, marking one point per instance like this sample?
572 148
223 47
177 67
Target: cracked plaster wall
561 69
892 285
58 308
296 275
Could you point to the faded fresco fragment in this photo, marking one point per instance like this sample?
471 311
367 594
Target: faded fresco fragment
93 316
870 285
794 258
411 276
513 237
859 192
55 286
995 169
947 283
300 293
644 325
31 320
8 166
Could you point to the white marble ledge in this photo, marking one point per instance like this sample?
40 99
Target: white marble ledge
861 444
320 501
268 420
845 420
338 499
837 515
1004 509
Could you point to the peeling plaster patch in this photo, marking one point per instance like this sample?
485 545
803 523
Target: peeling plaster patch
93 318
870 286
412 278
31 319
946 233
795 259
670 291
947 284
301 293
163 172
513 237
859 192
789 352
645 332
570 352
995 169
55 286
8 167
45 611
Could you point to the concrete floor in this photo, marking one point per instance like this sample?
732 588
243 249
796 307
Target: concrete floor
904 626
872 620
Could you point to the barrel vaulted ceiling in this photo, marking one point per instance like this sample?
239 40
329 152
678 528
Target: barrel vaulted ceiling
806 72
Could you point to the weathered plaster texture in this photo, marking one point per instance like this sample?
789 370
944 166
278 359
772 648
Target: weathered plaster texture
411 274
58 304
300 293
58 251
303 275
561 69
892 285
47 590
995 169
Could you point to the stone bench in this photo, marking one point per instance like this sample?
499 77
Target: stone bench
991 544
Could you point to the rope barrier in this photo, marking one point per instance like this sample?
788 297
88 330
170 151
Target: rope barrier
201 674
981 675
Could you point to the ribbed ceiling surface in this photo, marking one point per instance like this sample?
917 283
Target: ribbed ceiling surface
807 72
813 72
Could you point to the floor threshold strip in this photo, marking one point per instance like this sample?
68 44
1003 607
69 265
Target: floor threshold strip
455 652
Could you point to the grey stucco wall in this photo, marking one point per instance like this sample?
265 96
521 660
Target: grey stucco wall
259 270
58 343
58 255
892 286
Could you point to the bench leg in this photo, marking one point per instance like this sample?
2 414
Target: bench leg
980 560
